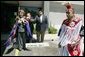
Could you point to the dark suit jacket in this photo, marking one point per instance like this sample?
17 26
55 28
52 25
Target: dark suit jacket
41 26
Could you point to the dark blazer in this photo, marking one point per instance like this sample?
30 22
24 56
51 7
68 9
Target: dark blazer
82 31
41 26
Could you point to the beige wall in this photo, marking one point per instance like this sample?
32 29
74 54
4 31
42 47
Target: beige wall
31 3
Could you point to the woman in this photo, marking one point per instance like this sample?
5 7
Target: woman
31 21
19 31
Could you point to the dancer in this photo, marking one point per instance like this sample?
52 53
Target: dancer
69 38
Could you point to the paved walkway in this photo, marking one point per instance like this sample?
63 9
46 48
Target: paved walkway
48 48
37 50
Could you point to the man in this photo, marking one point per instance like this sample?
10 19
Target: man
69 38
41 26
82 31
82 36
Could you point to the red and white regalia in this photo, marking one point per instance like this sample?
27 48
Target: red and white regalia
69 37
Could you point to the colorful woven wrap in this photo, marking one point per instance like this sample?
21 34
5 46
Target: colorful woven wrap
13 32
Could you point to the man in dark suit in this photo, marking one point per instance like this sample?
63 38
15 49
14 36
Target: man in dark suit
41 26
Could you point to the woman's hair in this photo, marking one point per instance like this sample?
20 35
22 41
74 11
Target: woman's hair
23 11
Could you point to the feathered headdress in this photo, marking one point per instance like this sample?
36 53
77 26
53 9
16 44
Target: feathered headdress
68 6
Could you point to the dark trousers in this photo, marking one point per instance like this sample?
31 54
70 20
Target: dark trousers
21 40
40 36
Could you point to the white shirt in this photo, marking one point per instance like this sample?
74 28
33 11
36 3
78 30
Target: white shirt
41 18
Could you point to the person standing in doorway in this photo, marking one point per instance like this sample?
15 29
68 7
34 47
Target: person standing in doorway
41 25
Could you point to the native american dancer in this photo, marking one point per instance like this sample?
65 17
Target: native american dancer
69 39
